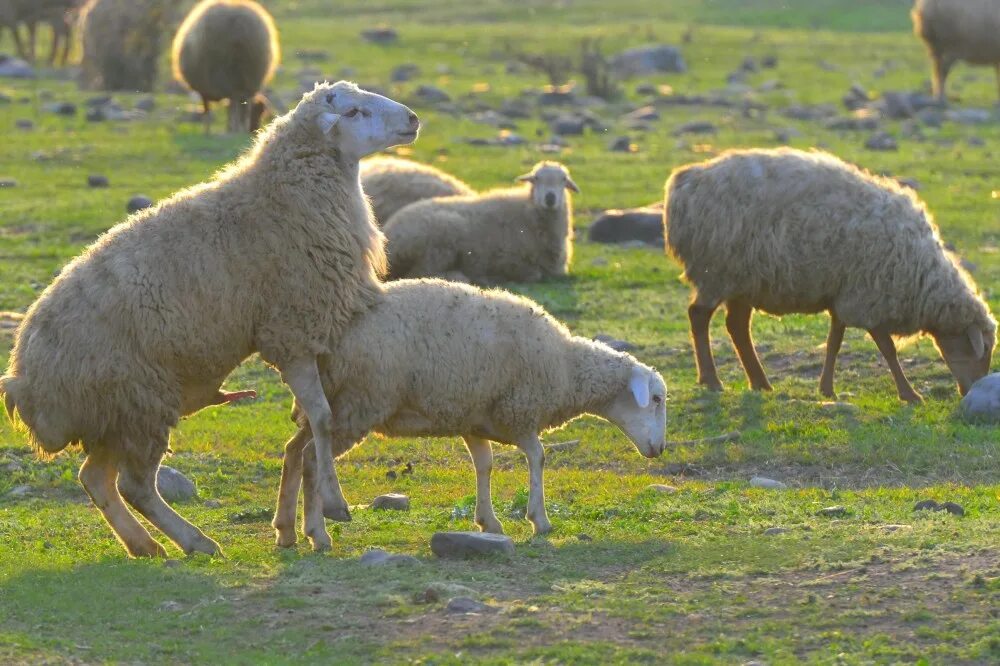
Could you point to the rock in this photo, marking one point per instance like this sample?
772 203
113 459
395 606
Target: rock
377 557
856 98
785 134
859 121
558 96
661 488
749 64
212 504
392 501
312 55
137 203
807 112
931 505
764 482
896 527
174 486
897 105
171 564
8 183
468 605
97 180
431 94
584 537
769 61
970 116
952 508
648 59
568 125
19 491
617 345
470 544
926 505
380 35
881 141
643 114
774 531
61 108
932 117
982 403
647 89
146 104
620 226
622 144
832 511
696 127
515 108
404 73
15 68
24 124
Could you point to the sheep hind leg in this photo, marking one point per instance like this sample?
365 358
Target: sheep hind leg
97 475
888 349
535 454
288 490
206 117
942 66
481 452
738 315
137 483
701 317
833 341
313 525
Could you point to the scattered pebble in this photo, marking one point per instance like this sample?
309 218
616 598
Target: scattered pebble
832 511
404 73
431 94
137 203
584 537
774 531
881 141
619 226
764 482
24 124
391 501
97 180
213 504
174 486
61 108
380 35
468 605
470 544
146 104
696 127
648 60
622 144
171 564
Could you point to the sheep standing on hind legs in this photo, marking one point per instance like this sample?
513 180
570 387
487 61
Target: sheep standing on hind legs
956 30
227 49
392 184
787 231
440 359
145 325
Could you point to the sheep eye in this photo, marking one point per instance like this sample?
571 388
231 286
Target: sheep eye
329 98
351 113
657 399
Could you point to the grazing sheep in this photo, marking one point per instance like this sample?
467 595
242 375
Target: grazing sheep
121 42
145 325
392 184
56 13
788 231
227 49
523 233
434 358
956 30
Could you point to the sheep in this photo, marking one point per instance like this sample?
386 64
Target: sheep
789 231
144 326
121 42
435 358
956 30
56 13
523 233
392 184
227 49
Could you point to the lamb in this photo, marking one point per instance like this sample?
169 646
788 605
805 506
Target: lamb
788 231
121 42
227 49
434 358
956 30
392 184
144 326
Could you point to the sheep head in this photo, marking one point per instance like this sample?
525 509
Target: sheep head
640 410
967 353
549 182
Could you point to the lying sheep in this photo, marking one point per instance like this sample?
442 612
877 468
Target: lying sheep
144 326
434 358
121 42
956 30
787 231
393 184
227 49
522 234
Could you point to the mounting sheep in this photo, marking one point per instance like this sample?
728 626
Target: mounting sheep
228 49
392 184
522 234
434 358
121 42
956 30
275 255
788 231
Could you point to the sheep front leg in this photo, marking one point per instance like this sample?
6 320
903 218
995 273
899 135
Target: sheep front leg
700 317
288 490
888 348
833 342
302 377
481 452
942 65
533 451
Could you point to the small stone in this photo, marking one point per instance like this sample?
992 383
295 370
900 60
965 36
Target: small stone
171 564
8 183
137 203
15 68
617 345
926 505
769 61
380 35
648 60
764 482
643 114
392 501
931 505
171 606
62 108
467 605
749 64
661 488
622 144
24 124
212 504
96 180
431 94
856 98
427 596
969 116
982 403
19 491
568 125
379 557
696 127
146 104
774 531
832 511
312 55
584 537
404 73
174 486
470 544
881 141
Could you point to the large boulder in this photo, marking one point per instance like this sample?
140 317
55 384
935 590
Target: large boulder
982 402
622 226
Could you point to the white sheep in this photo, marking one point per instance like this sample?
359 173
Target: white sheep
434 358
788 231
522 234
144 326
956 30
392 184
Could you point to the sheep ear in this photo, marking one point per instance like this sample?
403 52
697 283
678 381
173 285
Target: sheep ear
570 185
326 121
526 178
976 338
639 383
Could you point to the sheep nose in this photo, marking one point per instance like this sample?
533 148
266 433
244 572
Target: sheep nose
414 121
550 200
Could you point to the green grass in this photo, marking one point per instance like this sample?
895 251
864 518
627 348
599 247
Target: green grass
686 578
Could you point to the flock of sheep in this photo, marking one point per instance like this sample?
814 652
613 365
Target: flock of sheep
284 252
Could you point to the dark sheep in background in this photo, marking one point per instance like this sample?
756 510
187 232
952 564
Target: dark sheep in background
121 42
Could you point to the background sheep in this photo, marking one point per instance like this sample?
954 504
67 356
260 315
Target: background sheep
56 13
523 233
956 30
121 42
786 231
392 184
433 358
227 49
145 325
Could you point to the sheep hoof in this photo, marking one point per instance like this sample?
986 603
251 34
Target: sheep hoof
150 549
321 543
494 527
715 385
339 513
912 398
541 529
204 545
285 539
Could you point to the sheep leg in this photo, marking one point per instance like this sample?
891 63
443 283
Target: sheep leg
888 348
206 118
56 37
833 342
313 525
302 377
482 458
18 42
137 482
97 475
31 42
533 451
700 317
738 315
67 40
288 490
942 66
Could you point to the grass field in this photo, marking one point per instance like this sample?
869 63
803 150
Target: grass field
628 574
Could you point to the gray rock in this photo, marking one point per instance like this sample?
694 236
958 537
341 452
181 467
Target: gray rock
864 121
146 104
832 511
378 557
97 180
648 59
19 491
61 108
213 504
809 112
898 105
932 505
8 183
764 482
774 531
468 605
769 61
568 125
312 55
392 501
404 73
696 127
621 144
881 141
137 203
643 114
661 488
24 124
749 64
856 98
15 68
561 96
380 35
620 226
970 116
614 343
174 486
515 108
470 544
982 402
431 94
